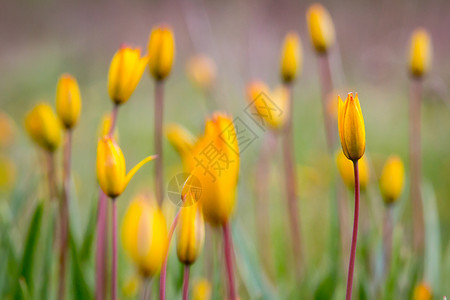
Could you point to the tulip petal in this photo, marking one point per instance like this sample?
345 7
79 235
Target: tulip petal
136 168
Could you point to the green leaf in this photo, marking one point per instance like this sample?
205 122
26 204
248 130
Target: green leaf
27 263
255 280
88 238
80 289
45 285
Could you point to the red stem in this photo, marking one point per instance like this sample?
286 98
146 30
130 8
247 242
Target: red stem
186 283
351 265
159 111
64 215
114 251
102 228
415 162
291 189
162 280
228 252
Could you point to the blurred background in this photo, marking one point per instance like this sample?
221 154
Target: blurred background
40 40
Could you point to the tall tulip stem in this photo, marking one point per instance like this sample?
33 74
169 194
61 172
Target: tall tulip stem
387 238
162 280
291 189
351 264
114 252
326 87
102 229
159 111
51 176
186 283
228 252
64 214
415 162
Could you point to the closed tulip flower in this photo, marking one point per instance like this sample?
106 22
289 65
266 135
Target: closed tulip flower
161 50
422 291
321 27
144 235
218 178
202 71
254 90
351 127
291 57
183 142
190 233
68 101
125 72
111 170
420 52
345 168
44 127
392 179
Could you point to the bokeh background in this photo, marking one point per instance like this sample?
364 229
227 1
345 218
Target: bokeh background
40 40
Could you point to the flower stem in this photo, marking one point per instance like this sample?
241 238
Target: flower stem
326 87
114 251
186 283
162 280
415 163
228 252
351 264
51 176
387 238
291 189
64 215
159 111
102 229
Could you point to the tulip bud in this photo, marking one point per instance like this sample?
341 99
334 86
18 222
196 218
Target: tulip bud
183 142
144 235
216 154
68 101
321 28
392 179
7 173
291 57
420 52
201 70
105 126
190 233
422 291
43 127
346 170
6 130
351 127
254 90
161 50
111 168
202 290
125 72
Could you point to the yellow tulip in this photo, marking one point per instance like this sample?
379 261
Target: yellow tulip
144 235
271 106
68 101
7 173
44 127
422 291
201 70
291 57
111 170
183 142
125 72
190 233
161 50
420 52
345 168
321 28
105 126
351 127
202 290
392 179
216 156
6 130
